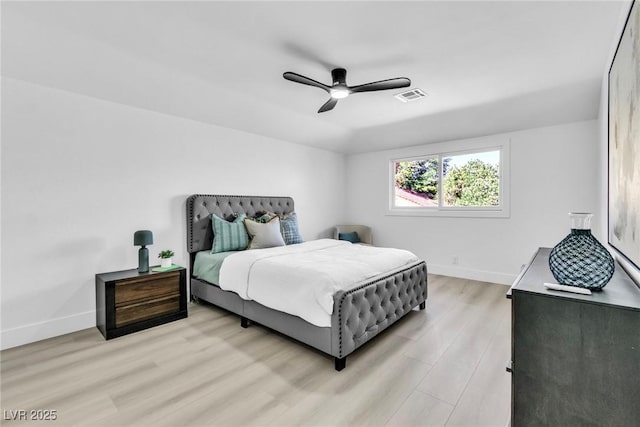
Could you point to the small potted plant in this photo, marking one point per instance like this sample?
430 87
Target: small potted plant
165 258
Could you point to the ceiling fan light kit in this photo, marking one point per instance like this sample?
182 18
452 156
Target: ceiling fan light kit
339 93
340 90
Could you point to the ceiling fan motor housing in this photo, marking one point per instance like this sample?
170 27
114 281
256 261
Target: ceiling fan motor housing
339 76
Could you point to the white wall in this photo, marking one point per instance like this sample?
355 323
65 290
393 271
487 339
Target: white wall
603 121
553 172
80 175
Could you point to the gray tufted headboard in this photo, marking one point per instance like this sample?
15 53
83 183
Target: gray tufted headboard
201 206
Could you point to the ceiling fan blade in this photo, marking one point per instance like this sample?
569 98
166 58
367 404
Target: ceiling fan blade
328 105
298 78
382 85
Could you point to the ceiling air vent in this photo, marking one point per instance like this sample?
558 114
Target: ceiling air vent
411 95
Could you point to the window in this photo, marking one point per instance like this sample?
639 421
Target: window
417 182
457 183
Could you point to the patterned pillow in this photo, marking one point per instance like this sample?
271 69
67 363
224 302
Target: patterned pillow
265 235
289 229
264 216
228 236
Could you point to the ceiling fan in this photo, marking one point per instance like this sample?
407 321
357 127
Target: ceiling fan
339 88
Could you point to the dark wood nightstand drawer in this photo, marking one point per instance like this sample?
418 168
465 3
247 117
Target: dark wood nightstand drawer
146 288
128 301
146 310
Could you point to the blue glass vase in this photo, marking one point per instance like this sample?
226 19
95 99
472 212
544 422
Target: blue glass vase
579 259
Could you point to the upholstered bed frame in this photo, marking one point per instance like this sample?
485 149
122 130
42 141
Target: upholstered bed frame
360 313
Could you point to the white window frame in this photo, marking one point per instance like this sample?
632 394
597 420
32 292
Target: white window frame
441 151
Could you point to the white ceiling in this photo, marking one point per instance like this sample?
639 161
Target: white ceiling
488 67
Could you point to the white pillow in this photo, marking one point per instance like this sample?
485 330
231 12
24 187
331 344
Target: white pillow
264 235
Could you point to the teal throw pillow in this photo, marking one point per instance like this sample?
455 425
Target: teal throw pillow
229 236
350 237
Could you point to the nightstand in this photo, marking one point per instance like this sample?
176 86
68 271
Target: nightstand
128 301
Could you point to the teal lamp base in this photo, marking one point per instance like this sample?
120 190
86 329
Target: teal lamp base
143 238
143 260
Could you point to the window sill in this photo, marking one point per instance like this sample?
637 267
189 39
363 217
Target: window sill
451 213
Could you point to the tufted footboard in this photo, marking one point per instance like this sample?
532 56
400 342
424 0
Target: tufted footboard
363 312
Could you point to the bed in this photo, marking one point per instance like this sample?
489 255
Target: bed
360 311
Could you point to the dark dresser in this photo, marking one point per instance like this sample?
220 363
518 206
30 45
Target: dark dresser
128 301
575 359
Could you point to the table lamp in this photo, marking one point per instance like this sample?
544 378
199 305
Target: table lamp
143 238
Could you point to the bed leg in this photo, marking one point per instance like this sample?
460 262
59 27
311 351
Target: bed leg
244 322
423 305
340 363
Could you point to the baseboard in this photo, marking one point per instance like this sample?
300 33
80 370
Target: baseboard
52 328
42 330
467 273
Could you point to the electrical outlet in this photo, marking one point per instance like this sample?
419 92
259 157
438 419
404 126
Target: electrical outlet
454 261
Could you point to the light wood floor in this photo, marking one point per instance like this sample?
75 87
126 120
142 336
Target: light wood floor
442 366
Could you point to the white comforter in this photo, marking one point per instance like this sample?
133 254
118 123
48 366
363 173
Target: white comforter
302 279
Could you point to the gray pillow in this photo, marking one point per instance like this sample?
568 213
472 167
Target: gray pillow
265 235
